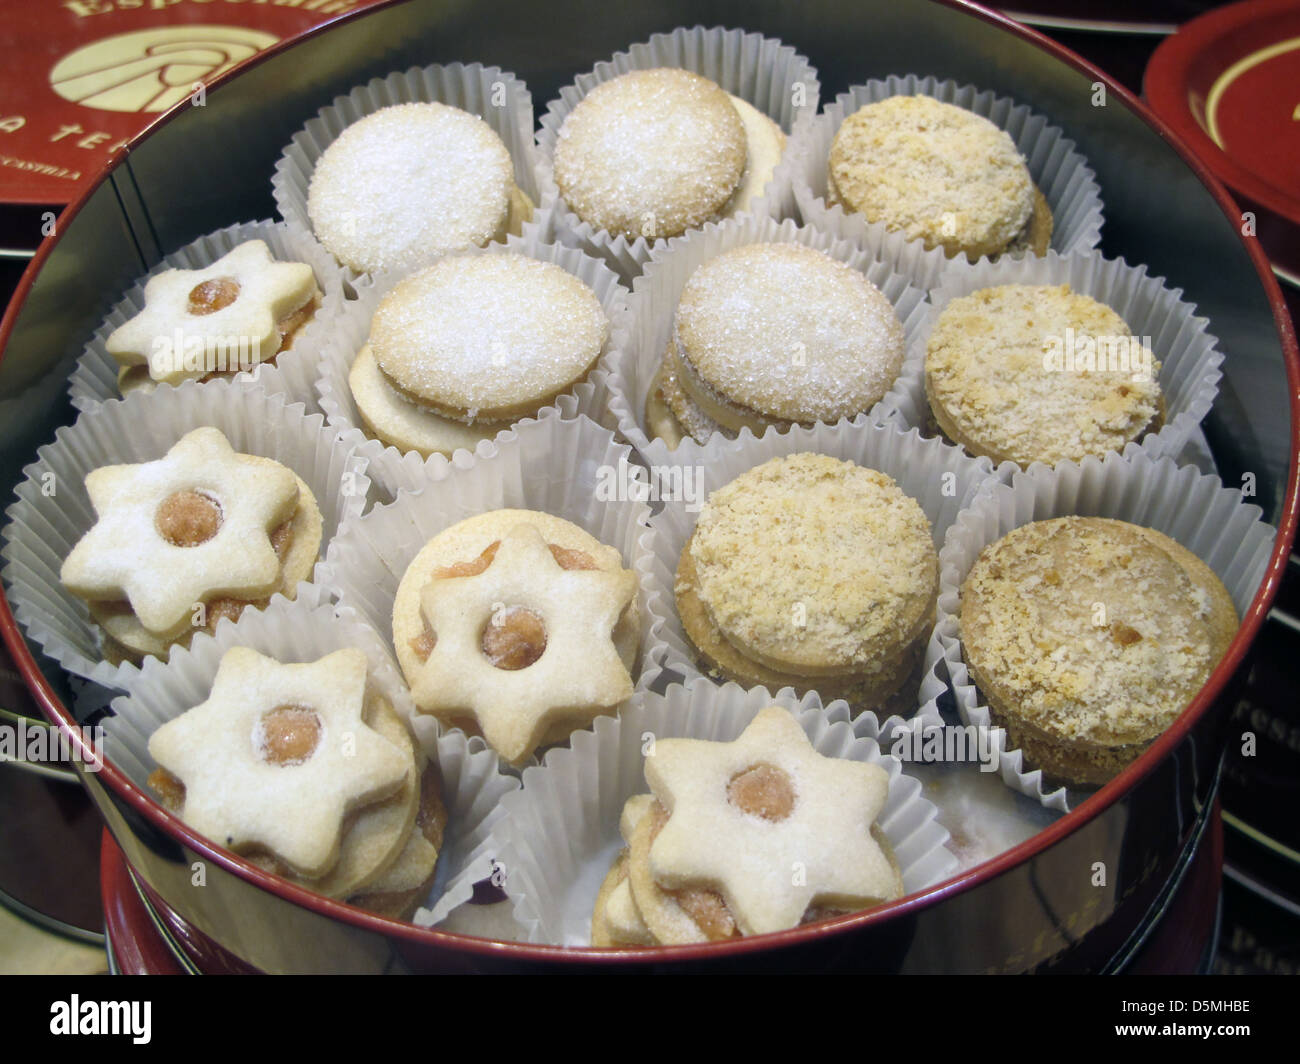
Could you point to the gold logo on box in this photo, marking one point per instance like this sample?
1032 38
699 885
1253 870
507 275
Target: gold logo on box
151 70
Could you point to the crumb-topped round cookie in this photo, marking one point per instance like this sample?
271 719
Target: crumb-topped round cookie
1088 636
1037 373
651 153
408 182
782 333
936 172
483 338
814 568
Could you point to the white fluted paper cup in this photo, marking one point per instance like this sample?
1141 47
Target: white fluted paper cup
1059 170
938 476
294 372
560 833
392 469
651 310
297 632
1155 313
760 70
53 510
571 469
498 97
1196 510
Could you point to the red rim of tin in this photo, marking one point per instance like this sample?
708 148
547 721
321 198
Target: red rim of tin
146 807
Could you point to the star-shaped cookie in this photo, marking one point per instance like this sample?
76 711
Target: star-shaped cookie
579 673
126 554
224 316
810 842
239 797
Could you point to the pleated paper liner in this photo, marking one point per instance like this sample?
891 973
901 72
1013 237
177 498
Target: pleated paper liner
296 632
938 476
391 469
571 469
1059 170
560 832
1213 521
494 95
651 311
1188 354
295 370
770 75
53 511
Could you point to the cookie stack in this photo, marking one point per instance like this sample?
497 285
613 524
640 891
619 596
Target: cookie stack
310 773
812 573
184 541
519 626
463 348
772 335
653 153
757 835
940 174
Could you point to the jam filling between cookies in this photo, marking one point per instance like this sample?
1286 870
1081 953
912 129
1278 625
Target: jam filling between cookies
208 297
188 518
515 636
287 735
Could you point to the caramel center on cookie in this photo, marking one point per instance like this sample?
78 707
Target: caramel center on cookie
287 735
188 518
513 638
208 297
762 790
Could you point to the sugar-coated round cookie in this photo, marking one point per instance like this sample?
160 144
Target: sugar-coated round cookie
409 182
484 338
784 332
651 154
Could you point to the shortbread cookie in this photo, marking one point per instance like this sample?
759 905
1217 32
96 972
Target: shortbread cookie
764 146
220 320
187 539
814 568
407 882
394 419
519 626
1088 637
487 338
778 334
937 173
1037 373
756 835
411 182
616 920
671 415
279 755
651 153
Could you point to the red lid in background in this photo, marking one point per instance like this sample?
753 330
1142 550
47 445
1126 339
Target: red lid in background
81 77
1229 84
